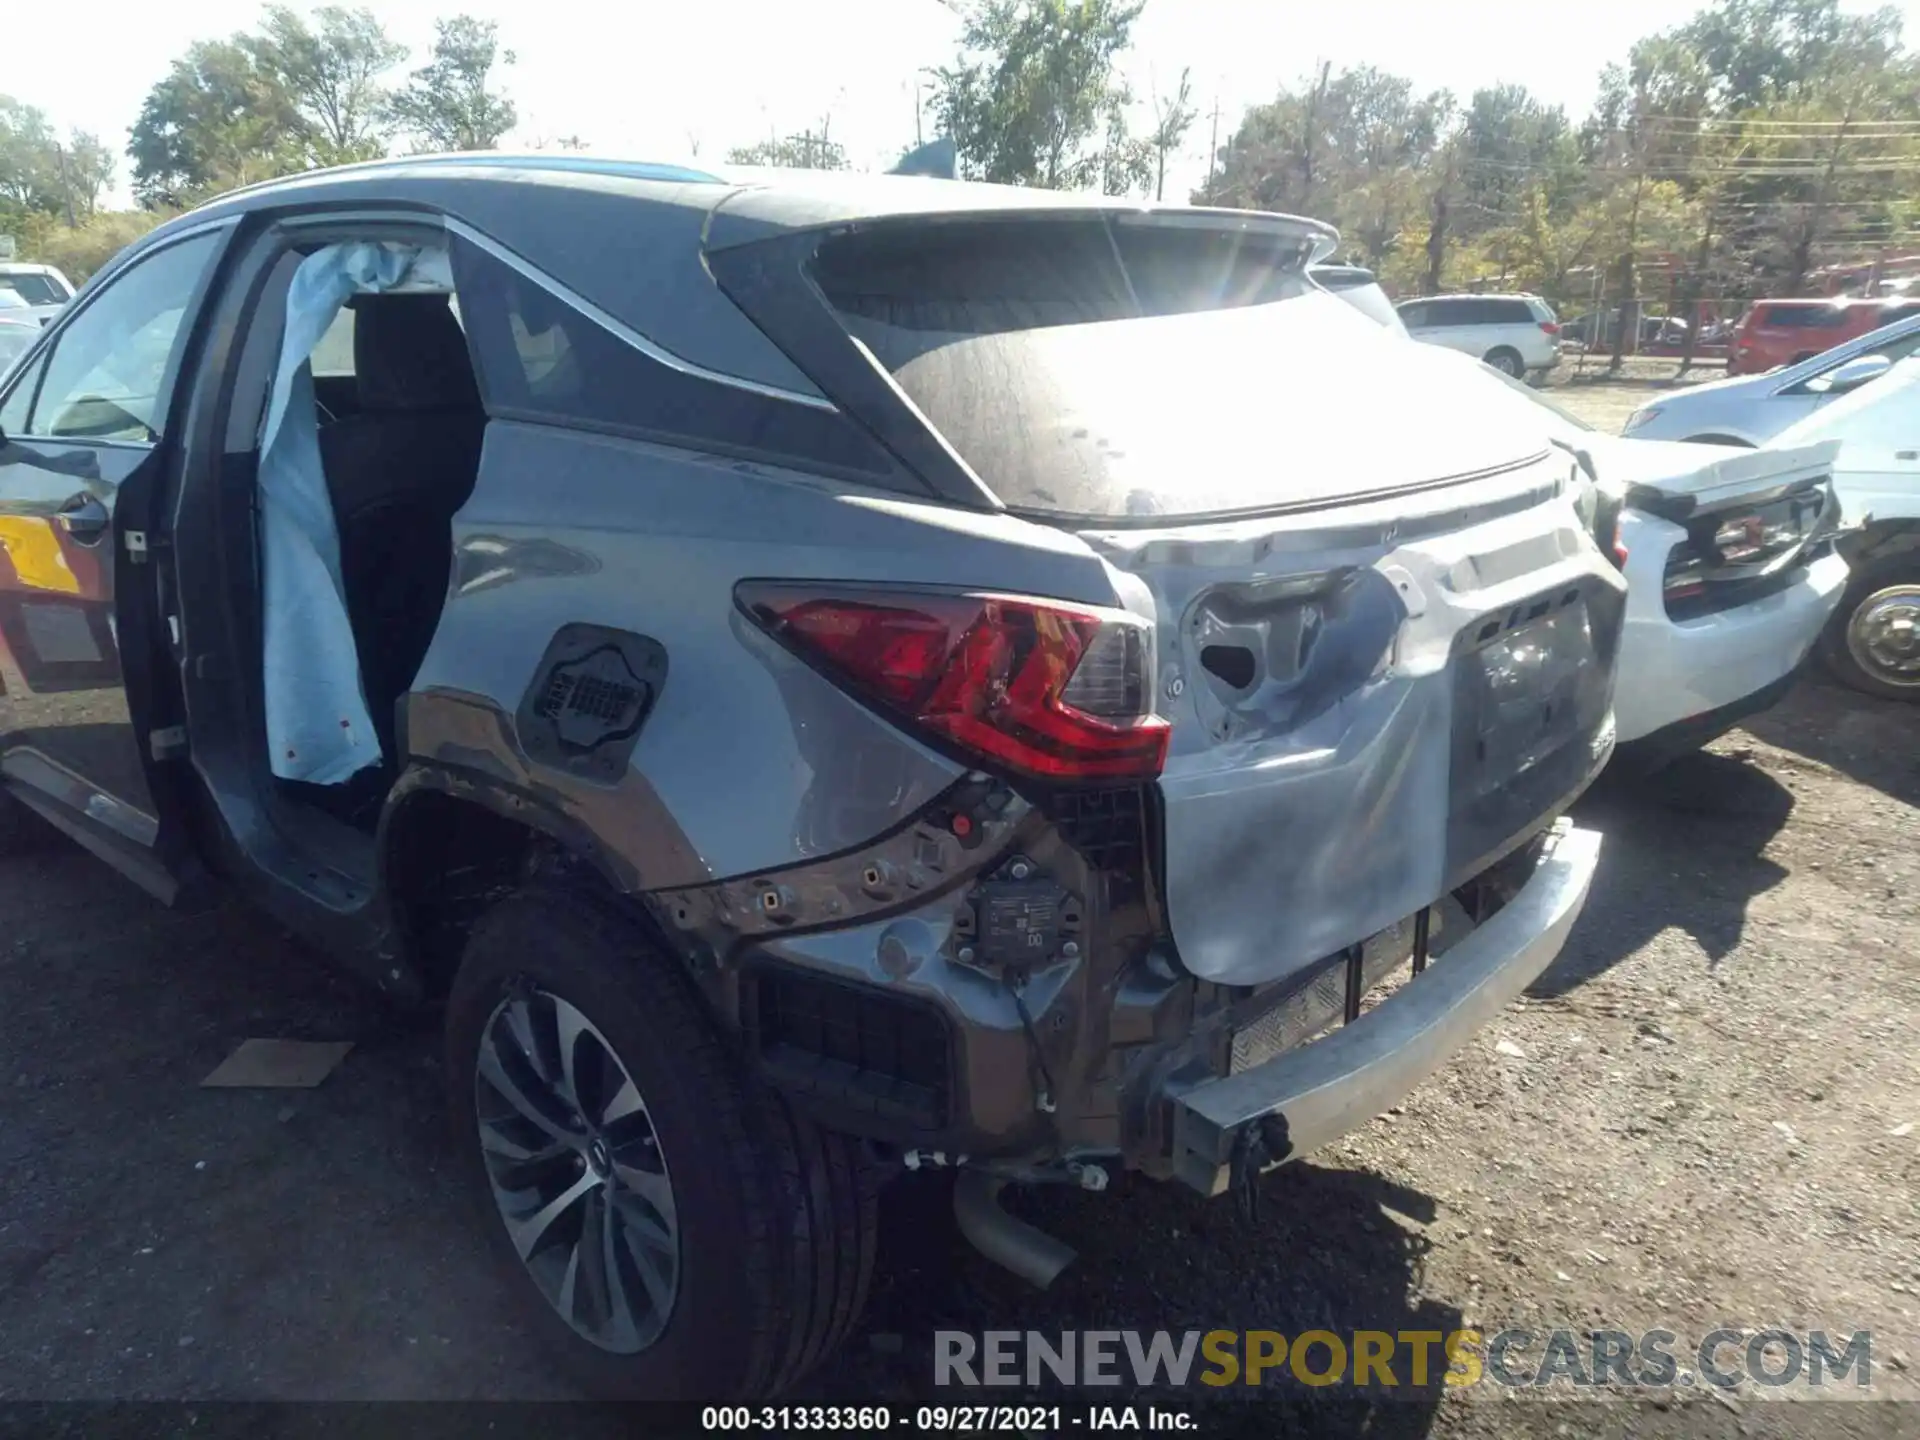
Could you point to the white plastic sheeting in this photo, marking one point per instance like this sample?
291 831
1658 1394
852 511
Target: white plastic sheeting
318 728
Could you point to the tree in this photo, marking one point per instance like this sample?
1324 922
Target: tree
84 169
805 151
447 105
1172 119
41 174
27 181
1358 148
333 75
222 117
1034 97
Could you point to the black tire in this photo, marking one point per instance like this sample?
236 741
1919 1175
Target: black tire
1506 361
776 1219
1878 582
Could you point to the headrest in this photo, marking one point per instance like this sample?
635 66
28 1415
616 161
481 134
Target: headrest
409 353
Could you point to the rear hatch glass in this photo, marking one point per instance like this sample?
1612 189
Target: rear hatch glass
1101 370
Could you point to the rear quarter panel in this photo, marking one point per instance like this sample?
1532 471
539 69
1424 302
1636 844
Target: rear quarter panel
749 759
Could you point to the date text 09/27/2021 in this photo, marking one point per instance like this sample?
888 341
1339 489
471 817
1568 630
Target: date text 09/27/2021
943 1419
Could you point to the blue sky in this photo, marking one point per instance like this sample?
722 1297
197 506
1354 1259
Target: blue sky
662 81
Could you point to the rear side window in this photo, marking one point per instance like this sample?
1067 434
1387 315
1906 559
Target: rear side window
541 358
1414 317
1798 317
1504 312
1541 312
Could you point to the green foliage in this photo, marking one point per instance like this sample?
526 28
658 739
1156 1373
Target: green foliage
796 152
79 251
42 174
1034 97
448 104
332 72
222 117
1172 118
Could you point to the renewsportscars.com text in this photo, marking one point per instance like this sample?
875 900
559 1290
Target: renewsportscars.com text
1726 1359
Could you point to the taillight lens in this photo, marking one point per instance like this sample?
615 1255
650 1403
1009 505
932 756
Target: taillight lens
1549 327
1057 691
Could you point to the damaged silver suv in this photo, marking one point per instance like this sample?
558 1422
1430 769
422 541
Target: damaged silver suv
820 675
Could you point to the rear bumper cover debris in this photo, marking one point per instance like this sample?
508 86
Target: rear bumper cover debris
1312 1094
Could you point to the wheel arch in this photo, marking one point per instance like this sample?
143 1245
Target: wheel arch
1882 539
452 842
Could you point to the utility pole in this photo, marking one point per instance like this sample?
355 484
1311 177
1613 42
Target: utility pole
66 185
1213 145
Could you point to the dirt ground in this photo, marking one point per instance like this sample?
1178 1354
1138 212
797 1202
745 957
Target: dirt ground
1706 1113
1605 402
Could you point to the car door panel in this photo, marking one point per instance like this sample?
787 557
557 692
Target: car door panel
86 437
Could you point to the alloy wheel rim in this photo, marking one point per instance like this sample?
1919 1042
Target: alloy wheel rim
1883 635
577 1171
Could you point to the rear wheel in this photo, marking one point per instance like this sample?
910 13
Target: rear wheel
1873 641
1507 362
671 1228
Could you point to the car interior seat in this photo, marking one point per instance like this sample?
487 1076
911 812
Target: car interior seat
397 470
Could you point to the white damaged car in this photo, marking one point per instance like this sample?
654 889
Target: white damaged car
1732 572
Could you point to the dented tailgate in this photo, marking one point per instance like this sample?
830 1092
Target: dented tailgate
1369 706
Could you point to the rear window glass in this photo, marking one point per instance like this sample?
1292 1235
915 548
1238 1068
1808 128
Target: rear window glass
34 289
1094 368
1798 317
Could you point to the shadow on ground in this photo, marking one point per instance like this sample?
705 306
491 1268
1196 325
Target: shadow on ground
164 1241
1876 742
1332 1250
1684 849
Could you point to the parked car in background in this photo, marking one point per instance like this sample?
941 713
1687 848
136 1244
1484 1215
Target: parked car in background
1873 642
853 694
1359 287
1773 333
1752 409
1731 573
15 337
1516 334
41 288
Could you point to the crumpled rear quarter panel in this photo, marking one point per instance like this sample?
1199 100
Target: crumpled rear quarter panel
754 758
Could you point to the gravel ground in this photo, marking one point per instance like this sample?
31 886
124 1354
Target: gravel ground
1696 1118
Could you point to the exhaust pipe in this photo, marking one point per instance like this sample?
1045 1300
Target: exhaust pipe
1032 1254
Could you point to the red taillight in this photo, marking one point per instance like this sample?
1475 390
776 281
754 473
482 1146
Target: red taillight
1057 691
1550 327
1619 547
